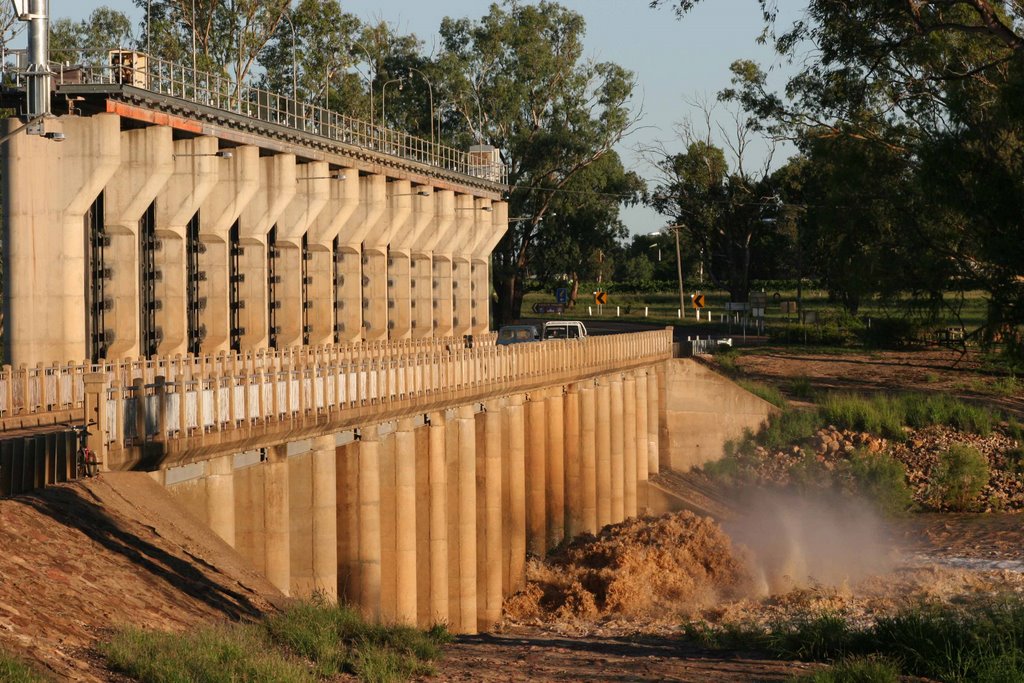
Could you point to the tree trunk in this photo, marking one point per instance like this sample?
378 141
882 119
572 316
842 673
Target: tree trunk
510 300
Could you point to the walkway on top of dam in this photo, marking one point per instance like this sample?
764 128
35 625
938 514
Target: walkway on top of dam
156 91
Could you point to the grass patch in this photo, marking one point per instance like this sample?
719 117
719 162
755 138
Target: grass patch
726 358
981 642
856 670
307 642
887 415
213 653
13 670
801 388
763 391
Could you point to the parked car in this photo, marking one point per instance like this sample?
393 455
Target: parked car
564 329
516 334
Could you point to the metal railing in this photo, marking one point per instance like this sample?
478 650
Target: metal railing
221 92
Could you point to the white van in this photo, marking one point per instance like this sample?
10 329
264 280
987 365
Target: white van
564 329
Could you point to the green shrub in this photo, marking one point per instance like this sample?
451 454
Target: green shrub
13 670
787 428
882 415
1015 430
959 477
881 479
856 670
889 333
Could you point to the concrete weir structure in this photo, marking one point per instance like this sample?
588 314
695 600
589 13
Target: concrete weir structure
285 319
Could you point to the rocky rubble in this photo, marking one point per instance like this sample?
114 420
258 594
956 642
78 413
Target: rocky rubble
830 448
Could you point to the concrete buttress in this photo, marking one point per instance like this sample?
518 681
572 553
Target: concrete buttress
194 177
311 196
238 179
277 524
401 284
555 473
438 523
515 431
617 463
377 263
369 523
349 291
322 298
324 519
447 230
588 456
277 189
146 165
405 523
604 452
44 205
220 497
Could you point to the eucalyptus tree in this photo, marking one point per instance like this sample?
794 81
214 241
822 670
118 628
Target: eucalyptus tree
87 41
517 79
938 84
228 35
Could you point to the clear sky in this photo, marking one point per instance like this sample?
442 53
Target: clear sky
675 61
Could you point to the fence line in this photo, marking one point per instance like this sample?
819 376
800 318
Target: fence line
32 390
353 386
221 92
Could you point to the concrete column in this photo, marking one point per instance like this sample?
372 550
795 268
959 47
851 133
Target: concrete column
467 521
515 431
438 473
536 469
494 535
349 285
220 497
277 544
400 277
617 456
369 523
641 440
421 270
276 191
573 464
238 179
462 275
447 227
312 192
195 176
604 452
325 520
347 466
629 446
555 481
377 261
653 422
146 166
588 457
405 523
494 229
344 197
44 205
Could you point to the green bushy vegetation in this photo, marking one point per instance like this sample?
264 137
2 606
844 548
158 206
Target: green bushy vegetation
886 415
982 643
787 428
335 639
881 479
959 477
13 670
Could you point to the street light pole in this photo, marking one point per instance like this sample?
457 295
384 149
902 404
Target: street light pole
295 63
679 268
400 80
369 81
430 92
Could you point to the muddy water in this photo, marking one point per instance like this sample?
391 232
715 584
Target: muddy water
980 541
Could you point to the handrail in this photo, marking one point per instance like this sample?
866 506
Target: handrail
39 389
227 408
221 92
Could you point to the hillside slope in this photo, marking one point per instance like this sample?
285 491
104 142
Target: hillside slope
81 558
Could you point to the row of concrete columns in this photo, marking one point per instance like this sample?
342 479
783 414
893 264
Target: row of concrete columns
431 520
355 255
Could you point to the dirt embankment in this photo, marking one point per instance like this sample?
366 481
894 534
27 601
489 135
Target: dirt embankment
81 558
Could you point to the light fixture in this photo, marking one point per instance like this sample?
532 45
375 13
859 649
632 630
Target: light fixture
475 208
421 193
334 176
223 154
